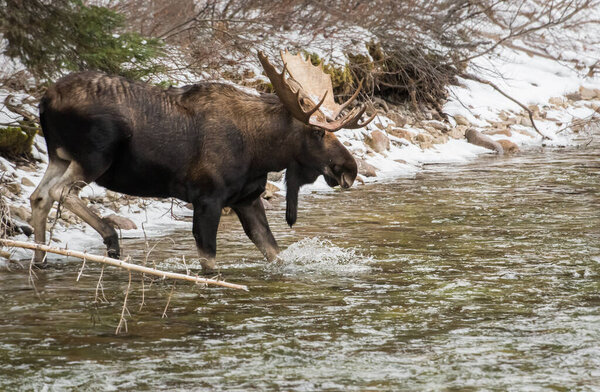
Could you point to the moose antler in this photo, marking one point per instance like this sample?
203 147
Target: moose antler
306 84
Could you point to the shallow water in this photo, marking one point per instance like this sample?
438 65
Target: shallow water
480 276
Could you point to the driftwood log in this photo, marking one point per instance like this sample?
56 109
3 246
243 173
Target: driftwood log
121 264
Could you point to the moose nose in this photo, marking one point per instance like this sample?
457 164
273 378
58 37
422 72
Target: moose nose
346 180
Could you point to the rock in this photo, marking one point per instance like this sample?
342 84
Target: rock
503 115
557 101
21 212
275 176
270 191
522 132
266 204
587 93
27 182
30 168
402 133
360 179
461 120
378 141
508 146
456 133
366 169
397 118
526 121
437 135
440 126
13 187
424 140
574 96
475 137
504 132
120 222
112 196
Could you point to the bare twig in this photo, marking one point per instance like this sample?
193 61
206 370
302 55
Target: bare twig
121 264
164 315
529 112
100 286
81 270
122 320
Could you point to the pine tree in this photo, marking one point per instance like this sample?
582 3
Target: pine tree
51 37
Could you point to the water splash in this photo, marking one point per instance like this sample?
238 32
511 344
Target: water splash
316 256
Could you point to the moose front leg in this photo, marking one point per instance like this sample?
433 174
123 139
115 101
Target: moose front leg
205 225
254 221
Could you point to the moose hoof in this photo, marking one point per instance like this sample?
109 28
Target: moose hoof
209 266
112 246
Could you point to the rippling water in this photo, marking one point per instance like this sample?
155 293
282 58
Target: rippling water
469 277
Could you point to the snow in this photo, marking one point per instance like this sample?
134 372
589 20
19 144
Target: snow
532 80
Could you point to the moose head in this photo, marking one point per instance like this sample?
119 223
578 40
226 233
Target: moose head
308 96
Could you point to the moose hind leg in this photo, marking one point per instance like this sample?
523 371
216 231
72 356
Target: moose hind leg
67 192
41 203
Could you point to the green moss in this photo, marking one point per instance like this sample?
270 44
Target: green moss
15 141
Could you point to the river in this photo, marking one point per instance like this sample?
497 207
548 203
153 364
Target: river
476 276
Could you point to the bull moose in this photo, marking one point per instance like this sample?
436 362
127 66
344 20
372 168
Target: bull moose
209 144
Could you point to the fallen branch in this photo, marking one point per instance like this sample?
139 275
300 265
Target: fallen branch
492 85
120 264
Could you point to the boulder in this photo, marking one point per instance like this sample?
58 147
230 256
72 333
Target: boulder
557 101
456 132
440 126
120 222
266 204
275 176
508 146
587 93
270 191
576 96
504 132
366 169
378 141
479 139
424 140
402 133
27 182
13 187
21 212
461 120
397 118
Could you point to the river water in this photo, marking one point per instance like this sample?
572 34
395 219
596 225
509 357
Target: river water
476 276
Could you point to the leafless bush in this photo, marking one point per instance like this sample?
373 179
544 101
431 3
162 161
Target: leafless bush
420 45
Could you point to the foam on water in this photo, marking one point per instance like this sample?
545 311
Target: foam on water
316 256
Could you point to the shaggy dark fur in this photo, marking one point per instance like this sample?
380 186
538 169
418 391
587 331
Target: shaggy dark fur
208 144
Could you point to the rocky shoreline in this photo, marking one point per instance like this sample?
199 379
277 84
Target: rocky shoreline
379 149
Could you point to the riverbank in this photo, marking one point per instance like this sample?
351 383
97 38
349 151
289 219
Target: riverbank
563 103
